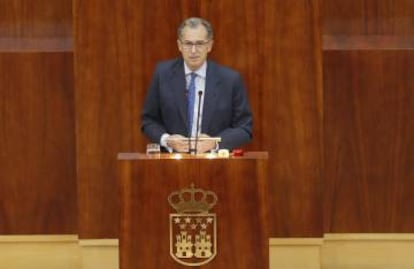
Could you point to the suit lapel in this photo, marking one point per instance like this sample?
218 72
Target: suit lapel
178 88
211 95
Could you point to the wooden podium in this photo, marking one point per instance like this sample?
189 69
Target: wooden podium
147 230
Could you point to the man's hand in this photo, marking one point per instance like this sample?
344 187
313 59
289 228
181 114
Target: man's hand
205 145
178 143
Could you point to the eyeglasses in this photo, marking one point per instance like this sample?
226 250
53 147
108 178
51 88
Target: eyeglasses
188 45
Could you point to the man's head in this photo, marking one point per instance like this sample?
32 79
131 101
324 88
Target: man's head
195 41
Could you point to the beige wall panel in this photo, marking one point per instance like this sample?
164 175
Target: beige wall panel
293 253
368 251
334 251
39 252
102 254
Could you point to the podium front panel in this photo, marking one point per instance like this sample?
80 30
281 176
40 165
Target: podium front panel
240 186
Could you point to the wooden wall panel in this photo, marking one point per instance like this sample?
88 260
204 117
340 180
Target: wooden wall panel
368 17
117 46
37 153
274 44
243 52
368 141
368 97
292 114
35 18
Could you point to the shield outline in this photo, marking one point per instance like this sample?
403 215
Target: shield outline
214 241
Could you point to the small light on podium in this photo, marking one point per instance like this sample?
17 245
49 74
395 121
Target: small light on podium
176 156
223 153
211 155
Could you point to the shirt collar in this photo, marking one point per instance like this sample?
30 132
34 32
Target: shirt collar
201 72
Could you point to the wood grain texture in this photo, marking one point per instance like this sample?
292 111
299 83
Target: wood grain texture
36 26
238 43
35 18
59 44
37 153
367 42
117 45
368 17
292 122
368 141
275 46
242 234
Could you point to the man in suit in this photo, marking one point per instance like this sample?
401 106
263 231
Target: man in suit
180 86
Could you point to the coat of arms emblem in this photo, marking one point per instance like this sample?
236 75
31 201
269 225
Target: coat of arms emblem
193 229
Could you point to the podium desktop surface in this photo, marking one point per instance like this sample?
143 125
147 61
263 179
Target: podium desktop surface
175 156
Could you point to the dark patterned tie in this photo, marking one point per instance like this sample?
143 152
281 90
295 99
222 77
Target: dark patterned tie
191 100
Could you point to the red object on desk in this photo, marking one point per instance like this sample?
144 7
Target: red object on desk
238 152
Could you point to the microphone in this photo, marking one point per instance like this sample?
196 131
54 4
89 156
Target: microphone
200 94
190 151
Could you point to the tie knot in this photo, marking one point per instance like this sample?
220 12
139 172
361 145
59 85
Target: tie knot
193 75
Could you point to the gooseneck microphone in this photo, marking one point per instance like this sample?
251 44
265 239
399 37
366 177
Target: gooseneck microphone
190 150
200 94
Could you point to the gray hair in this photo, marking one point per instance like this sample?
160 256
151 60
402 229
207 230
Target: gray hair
194 23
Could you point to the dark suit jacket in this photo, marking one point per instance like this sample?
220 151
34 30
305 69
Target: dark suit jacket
226 110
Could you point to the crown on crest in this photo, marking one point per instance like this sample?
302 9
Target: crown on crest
192 200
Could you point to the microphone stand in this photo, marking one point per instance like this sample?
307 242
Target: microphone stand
189 131
200 93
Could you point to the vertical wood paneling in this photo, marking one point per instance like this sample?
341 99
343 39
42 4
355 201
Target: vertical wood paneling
117 46
35 18
37 154
106 56
369 141
292 113
368 17
368 133
239 40
35 26
274 44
